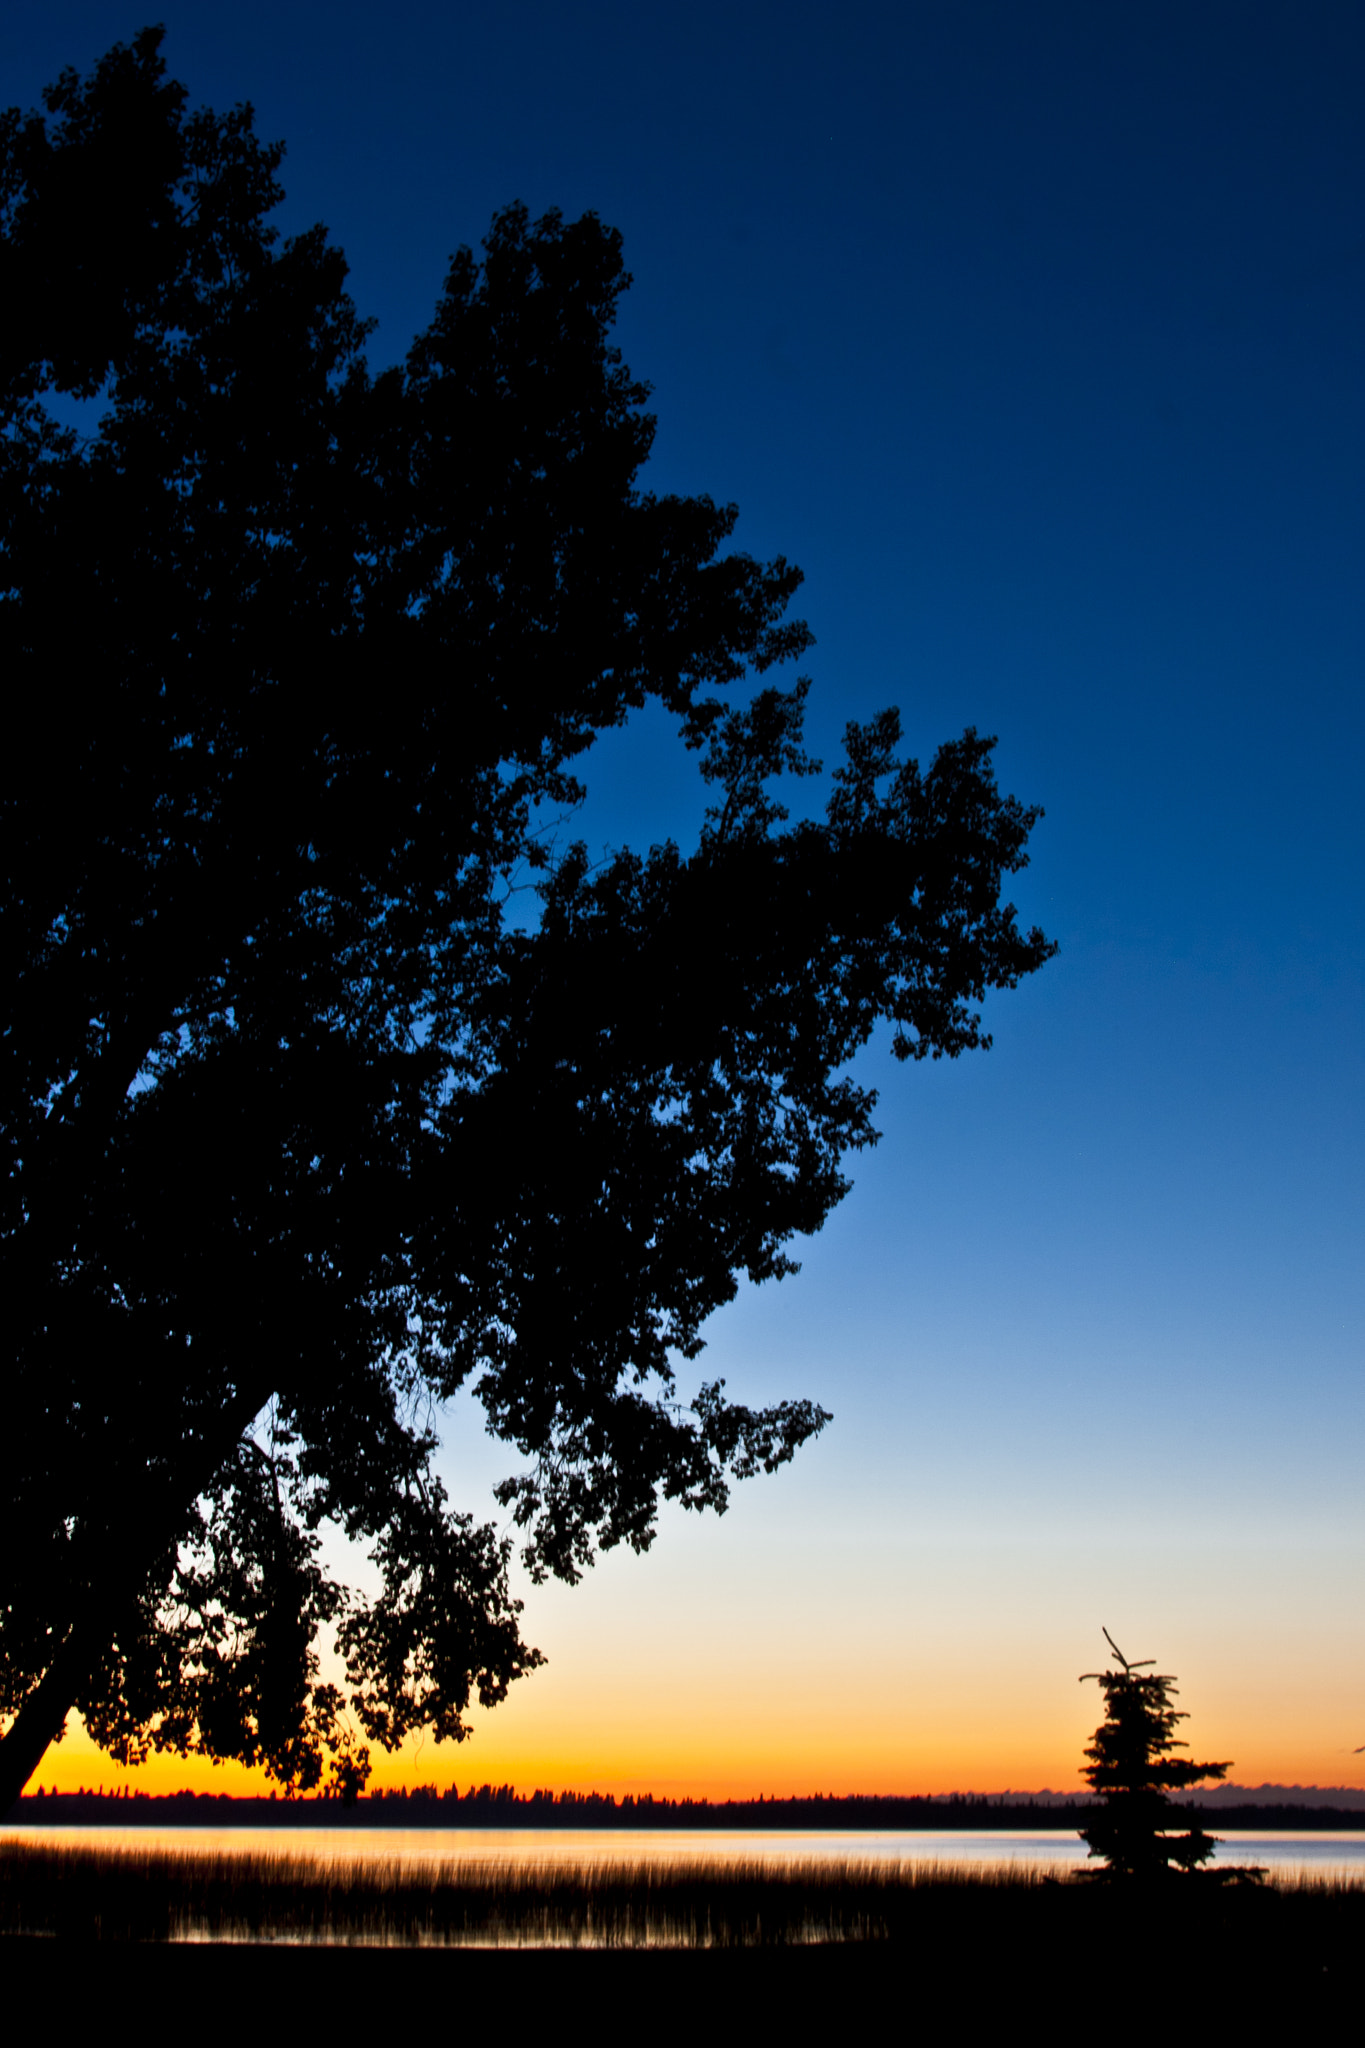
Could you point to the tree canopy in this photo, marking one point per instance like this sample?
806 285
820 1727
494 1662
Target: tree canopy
308 1122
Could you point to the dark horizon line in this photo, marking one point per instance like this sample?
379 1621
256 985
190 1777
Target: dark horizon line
1314 1807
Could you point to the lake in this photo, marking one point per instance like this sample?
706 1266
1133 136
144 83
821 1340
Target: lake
1055 1847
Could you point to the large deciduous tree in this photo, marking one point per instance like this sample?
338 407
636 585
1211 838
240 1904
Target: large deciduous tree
304 1130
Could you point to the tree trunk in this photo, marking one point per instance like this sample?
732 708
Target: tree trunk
41 1717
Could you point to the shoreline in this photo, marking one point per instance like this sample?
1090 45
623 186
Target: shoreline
501 1808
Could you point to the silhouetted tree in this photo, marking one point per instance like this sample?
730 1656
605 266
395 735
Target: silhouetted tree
1133 1771
314 1111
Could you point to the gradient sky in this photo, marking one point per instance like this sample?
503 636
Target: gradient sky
1033 333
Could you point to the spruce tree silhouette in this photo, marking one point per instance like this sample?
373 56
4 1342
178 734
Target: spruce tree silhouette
335 1081
1132 1769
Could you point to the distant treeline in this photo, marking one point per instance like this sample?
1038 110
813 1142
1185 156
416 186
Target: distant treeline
501 1806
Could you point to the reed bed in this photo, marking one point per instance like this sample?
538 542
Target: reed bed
160 1895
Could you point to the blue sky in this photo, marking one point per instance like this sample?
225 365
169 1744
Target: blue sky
1033 335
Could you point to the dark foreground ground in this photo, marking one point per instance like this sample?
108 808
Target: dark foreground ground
1078 1960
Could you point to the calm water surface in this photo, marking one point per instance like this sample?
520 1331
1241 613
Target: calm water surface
1055 1847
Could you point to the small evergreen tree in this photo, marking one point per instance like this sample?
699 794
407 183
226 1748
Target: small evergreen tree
1132 1770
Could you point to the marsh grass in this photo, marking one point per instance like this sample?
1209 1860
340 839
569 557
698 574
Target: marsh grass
164 1895
159 1895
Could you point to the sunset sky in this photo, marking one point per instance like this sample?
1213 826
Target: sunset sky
1033 333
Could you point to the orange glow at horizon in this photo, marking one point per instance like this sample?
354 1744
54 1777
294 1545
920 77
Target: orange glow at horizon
702 1676
649 1765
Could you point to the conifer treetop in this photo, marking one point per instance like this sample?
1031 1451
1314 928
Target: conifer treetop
1132 1769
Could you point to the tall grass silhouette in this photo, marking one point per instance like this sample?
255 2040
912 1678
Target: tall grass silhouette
159 1895
165 1895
